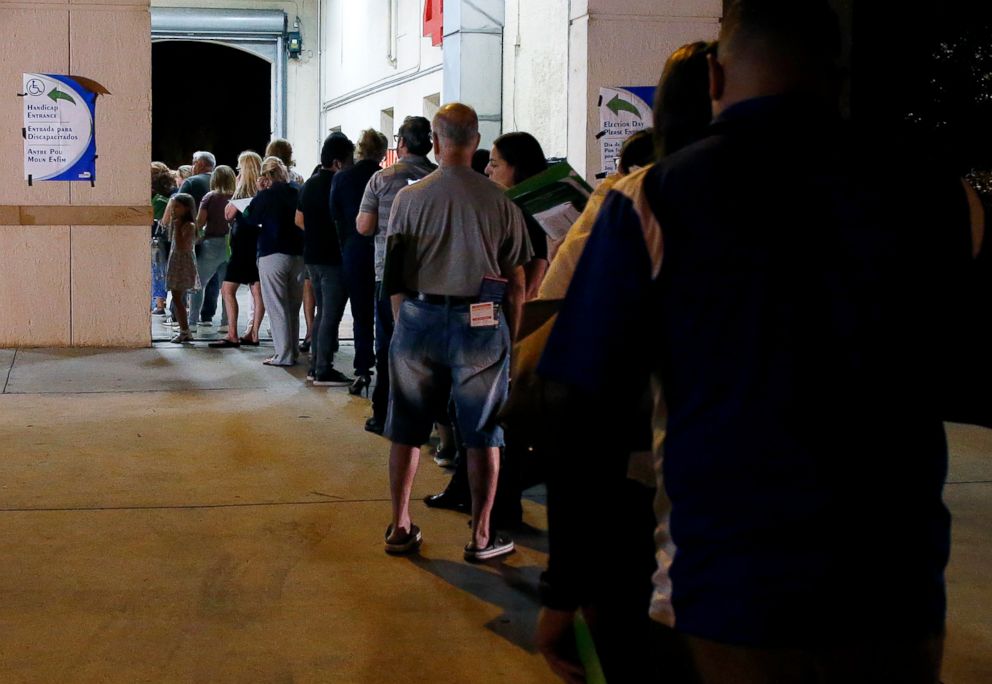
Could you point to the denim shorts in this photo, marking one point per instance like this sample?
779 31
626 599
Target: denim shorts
435 355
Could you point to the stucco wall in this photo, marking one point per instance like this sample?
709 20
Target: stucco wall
535 72
623 43
81 285
302 77
359 79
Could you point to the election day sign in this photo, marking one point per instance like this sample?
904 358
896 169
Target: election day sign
59 138
622 112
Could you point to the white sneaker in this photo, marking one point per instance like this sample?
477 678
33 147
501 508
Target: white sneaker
207 324
223 328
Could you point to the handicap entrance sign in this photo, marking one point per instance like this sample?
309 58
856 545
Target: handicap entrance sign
59 135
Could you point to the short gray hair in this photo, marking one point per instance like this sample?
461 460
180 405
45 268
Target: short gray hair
456 123
205 156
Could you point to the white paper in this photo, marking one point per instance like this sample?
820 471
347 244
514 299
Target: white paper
241 204
557 221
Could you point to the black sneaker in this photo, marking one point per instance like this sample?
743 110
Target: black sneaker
332 378
499 545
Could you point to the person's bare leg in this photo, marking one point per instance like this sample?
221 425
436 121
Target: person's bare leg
309 307
403 461
483 474
229 291
179 297
256 326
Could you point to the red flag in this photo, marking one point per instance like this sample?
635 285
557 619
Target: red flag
434 21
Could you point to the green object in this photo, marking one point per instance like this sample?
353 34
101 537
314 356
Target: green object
616 105
587 651
555 198
57 95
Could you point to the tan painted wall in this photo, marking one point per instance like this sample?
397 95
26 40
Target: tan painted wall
78 285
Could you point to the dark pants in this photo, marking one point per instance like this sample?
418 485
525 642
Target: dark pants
885 659
383 335
331 296
211 293
358 257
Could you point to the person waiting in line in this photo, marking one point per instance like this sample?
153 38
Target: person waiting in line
280 259
322 255
413 143
283 149
182 173
181 272
637 151
163 187
514 158
480 160
448 234
358 251
242 267
803 360
610 460
198 185
212 228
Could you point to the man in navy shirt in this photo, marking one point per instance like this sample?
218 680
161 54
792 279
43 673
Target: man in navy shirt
791 299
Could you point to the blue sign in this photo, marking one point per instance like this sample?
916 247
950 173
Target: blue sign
59 128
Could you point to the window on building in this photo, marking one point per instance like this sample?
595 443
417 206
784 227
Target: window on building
386 123
432 103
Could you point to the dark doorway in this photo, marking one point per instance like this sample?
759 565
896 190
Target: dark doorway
208 97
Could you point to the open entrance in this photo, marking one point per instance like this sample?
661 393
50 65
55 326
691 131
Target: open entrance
208 97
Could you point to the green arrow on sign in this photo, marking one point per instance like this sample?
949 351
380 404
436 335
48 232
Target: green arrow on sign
57 95
616 105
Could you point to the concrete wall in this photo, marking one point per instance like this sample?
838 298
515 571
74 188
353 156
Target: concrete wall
535 72
359 78
623 43
302 79
78 285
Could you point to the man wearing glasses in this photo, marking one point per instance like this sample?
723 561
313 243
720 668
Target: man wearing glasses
413 143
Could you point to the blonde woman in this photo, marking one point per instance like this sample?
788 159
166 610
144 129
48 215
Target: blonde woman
242 268
280 259
282 148
212 229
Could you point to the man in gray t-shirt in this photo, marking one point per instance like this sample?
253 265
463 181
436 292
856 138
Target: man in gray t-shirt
448 234
413 145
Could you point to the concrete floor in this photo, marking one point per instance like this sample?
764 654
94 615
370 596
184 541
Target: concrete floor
189 515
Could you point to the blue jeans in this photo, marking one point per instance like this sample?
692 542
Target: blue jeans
358 256
210 262
211 297
331 296
435 354
158 274
383 336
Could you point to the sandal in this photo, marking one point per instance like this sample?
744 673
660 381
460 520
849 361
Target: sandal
224 344
409 544
248 341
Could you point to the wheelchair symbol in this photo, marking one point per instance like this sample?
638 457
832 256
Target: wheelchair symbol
36 87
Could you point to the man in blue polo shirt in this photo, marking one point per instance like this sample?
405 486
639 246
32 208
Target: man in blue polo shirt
791 298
